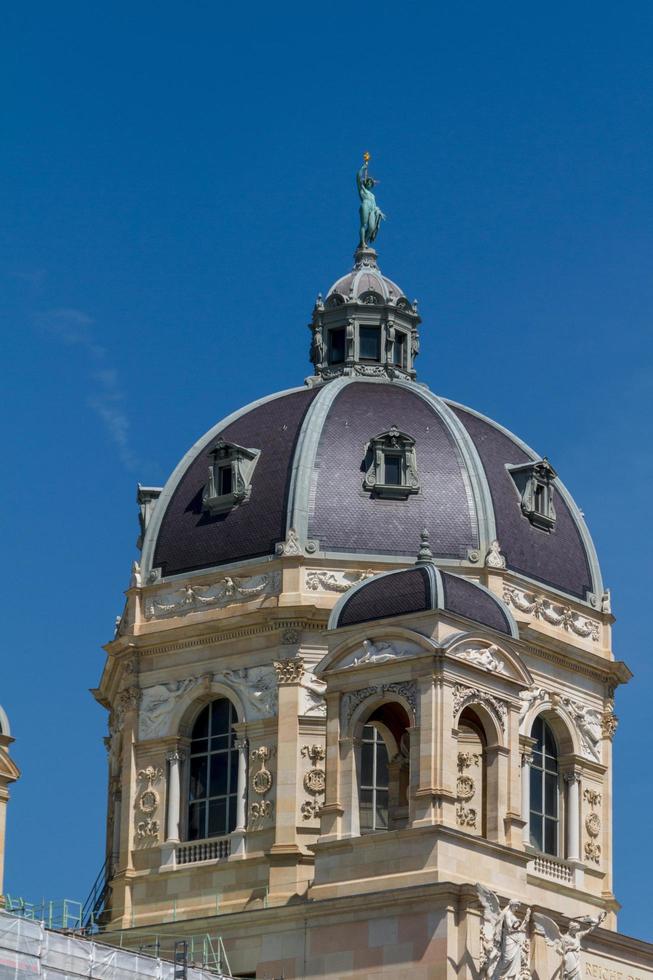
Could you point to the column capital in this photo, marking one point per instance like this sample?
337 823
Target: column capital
176 755
289 671
241 743
527 758
572 776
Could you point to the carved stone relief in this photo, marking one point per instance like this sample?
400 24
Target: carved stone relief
312 702
257 687
351 700
380 651
530 697
226 592
494 558
564 617
482 655
319 580
463 696
147 803
158 705
589 725
262 778
260 811
314 781
592 847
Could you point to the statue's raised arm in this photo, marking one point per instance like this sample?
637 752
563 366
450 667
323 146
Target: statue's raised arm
371 215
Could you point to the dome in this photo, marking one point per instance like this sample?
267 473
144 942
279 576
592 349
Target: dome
365 282
308 487
419 589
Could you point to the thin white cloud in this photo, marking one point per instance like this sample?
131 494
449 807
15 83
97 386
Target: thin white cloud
74 327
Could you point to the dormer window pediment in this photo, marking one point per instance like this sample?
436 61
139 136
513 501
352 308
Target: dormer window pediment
230 476
535 484
391 465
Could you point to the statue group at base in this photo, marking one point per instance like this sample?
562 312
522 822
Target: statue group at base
568 944
505 943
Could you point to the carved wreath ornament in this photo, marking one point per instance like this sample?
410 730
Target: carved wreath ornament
314 779
262 778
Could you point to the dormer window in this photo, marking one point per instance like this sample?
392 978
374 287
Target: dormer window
230 476
391 465
534 482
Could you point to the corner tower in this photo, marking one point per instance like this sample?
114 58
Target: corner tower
319 745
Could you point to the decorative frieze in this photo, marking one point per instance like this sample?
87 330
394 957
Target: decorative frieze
556 614
321 580
464 696
226 592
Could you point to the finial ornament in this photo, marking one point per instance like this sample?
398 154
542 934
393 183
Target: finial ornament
424 554
371 215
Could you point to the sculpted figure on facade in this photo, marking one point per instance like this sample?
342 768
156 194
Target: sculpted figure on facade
504 938
371 214
568 944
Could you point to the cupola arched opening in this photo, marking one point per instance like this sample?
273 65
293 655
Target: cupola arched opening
384 769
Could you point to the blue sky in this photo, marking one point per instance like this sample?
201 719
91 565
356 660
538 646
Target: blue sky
177 184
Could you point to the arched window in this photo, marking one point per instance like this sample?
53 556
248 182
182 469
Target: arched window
213 772
545 790
374 781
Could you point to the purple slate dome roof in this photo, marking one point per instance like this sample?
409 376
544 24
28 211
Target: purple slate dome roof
419 589
308 491
357 462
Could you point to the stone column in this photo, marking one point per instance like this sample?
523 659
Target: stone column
238 835
526 762
572 779
115 842
332 811
175 759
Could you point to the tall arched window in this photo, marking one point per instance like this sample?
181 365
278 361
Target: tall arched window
213 772
545 790
374 781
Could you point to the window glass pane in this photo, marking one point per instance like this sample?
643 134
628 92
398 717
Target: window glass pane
224 483
550 837
217 817
199 746
366 810
336 346
381 764
538 734
381 814
400 350
550 747
536 831
392 470
198 777
219 743
367 751
219 773
201 727
370 343
196 817
232 814
536 790
551 795
220 717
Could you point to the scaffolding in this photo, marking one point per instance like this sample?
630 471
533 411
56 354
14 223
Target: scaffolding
28 949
